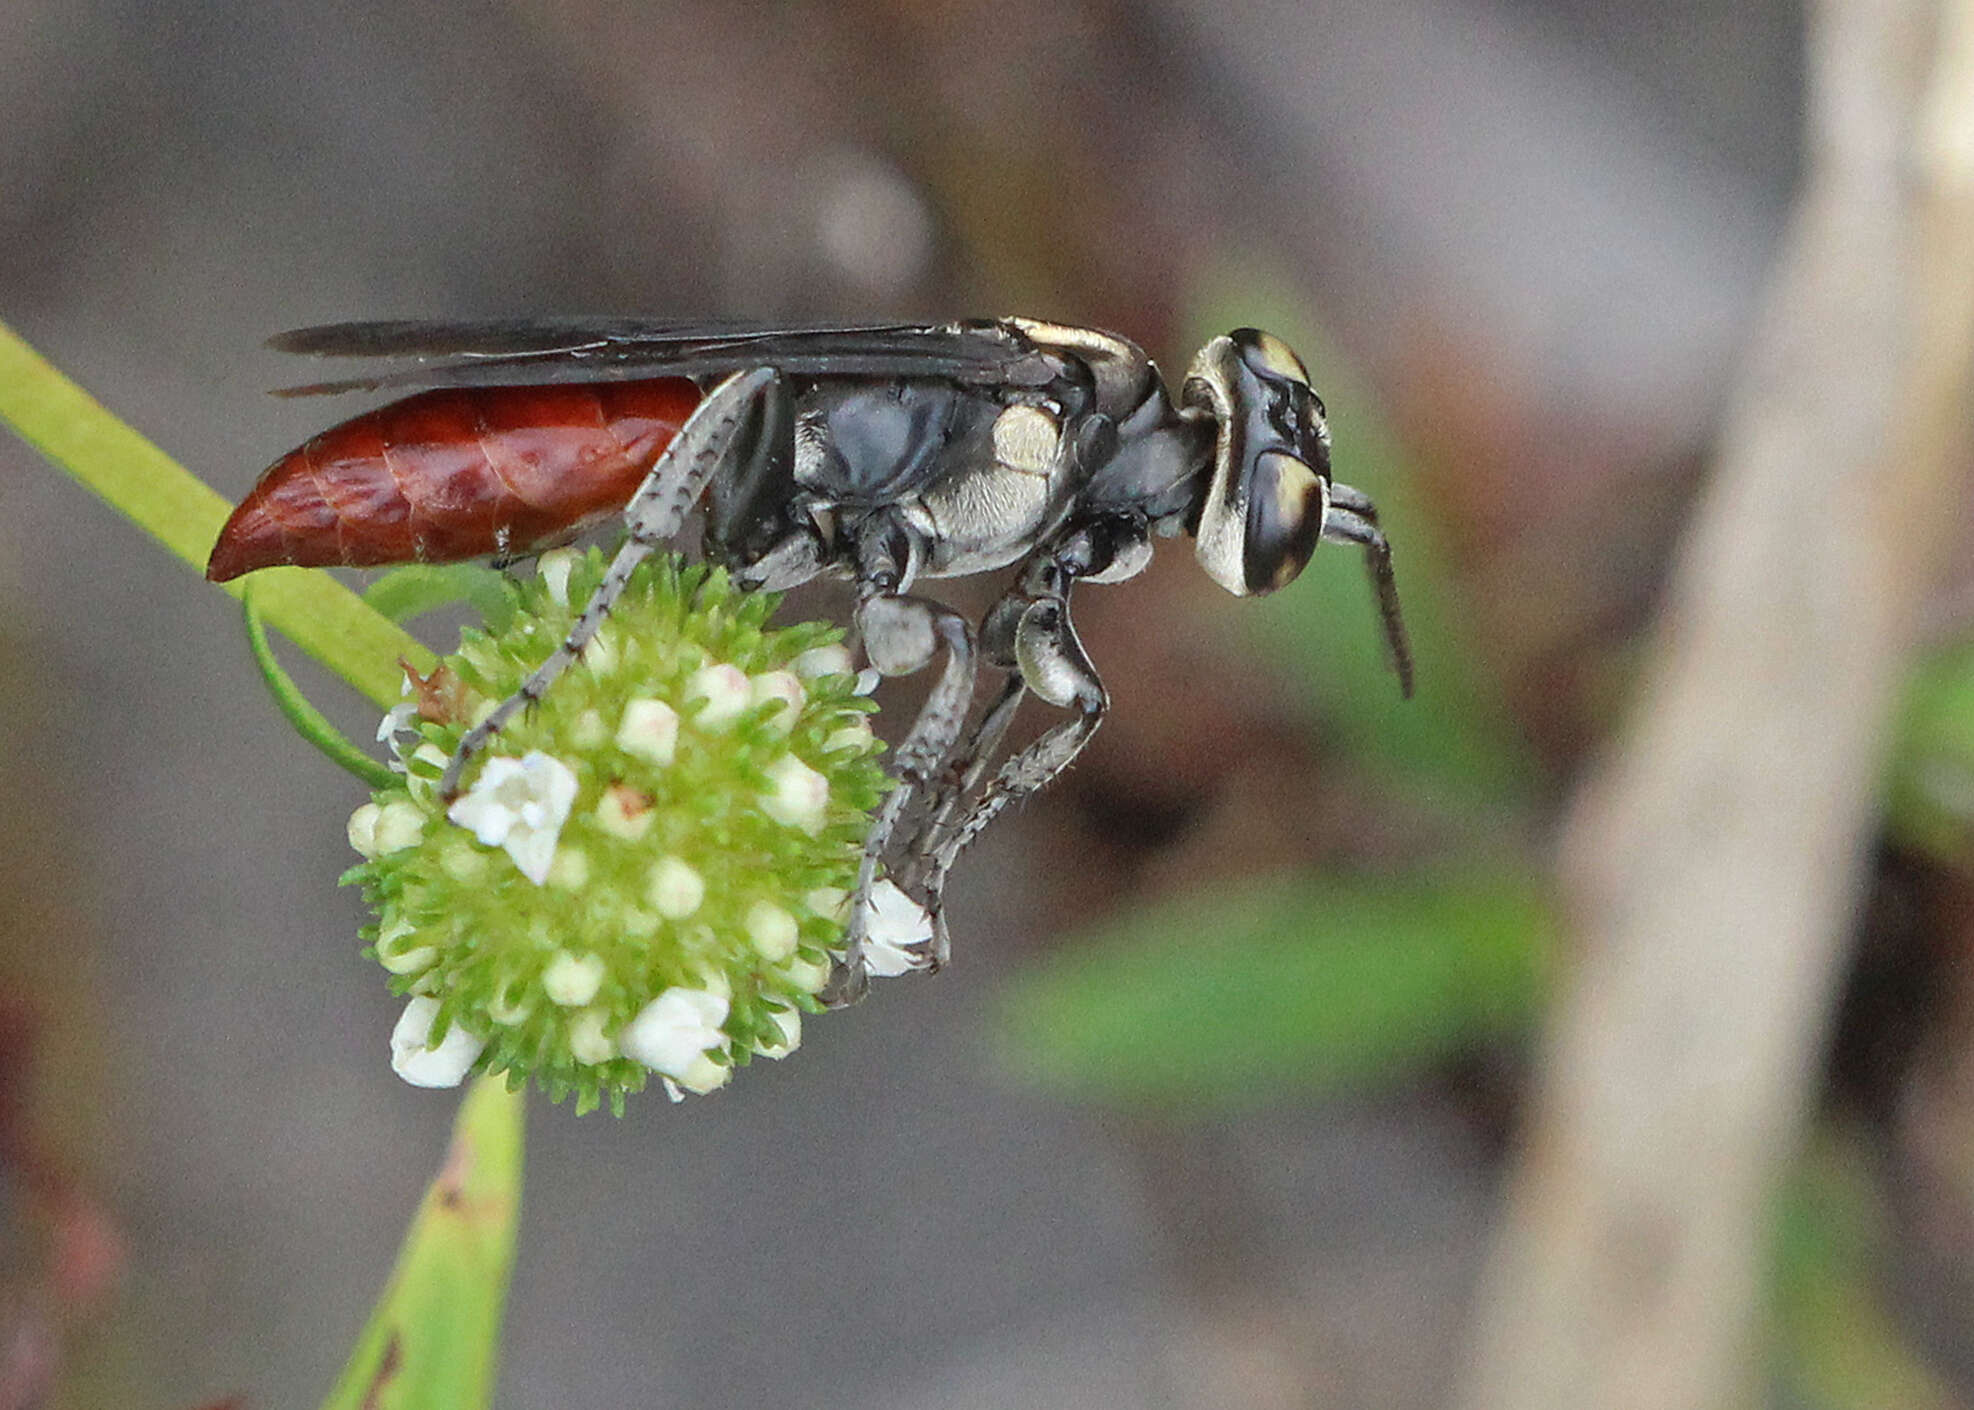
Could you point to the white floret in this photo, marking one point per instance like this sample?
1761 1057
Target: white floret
675 1032
650 729
725 691
797 795
519 804
893 925
422 1065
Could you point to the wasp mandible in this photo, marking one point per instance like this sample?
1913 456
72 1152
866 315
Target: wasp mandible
883 454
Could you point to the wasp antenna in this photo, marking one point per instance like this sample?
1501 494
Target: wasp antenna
1396 642
1353 519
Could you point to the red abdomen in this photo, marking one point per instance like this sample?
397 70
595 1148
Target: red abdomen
457 473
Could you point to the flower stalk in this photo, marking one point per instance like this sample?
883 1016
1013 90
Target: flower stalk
75 432
434 1336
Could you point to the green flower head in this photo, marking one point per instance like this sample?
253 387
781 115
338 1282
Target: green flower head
649 870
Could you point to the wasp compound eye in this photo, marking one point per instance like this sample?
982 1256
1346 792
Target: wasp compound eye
1286 505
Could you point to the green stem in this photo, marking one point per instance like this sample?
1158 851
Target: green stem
433 1338
310 723
310 608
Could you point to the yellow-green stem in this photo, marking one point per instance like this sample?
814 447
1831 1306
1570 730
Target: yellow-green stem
157 494
433 1338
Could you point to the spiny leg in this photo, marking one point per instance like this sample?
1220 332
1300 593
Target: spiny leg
654 515
1054 665
901 634
1354 519
1040 575
1044 574
919 873
1029 633
963 773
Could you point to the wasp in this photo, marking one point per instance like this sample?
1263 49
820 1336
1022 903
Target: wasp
888 455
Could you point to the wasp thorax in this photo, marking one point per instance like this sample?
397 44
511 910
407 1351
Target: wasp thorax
628 884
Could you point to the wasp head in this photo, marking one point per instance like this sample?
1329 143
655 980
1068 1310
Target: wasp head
1270 491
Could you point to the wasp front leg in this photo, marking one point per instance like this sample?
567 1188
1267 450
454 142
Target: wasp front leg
654 515
901 633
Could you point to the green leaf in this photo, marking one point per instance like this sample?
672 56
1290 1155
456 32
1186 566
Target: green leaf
310 723
433 1340
1297 986
1837 1339
1930 779
405 592
1455 735
148 487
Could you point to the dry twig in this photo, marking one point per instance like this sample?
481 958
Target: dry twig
1714 868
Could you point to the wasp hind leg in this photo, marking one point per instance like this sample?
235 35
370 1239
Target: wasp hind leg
655 515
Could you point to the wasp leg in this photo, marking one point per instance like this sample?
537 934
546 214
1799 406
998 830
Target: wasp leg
901 634
1028 633
920 872
1042 574
655 514
1053 664
964 772
1354 519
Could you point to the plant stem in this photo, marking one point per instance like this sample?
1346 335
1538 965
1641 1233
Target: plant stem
74 430
433 1338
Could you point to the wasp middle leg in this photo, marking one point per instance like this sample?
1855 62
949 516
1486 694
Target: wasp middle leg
1029 633
901 634
1056 668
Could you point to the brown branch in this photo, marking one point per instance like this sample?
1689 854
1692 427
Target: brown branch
1714 868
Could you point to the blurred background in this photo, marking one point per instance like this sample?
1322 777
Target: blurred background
1521 244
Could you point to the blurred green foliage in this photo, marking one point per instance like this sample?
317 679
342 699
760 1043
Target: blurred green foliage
1929 790
1837 1344
1313 985
1296 986
1454 739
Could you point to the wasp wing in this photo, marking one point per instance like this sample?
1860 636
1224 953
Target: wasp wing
521 352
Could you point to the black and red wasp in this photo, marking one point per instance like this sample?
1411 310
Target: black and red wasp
884 454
